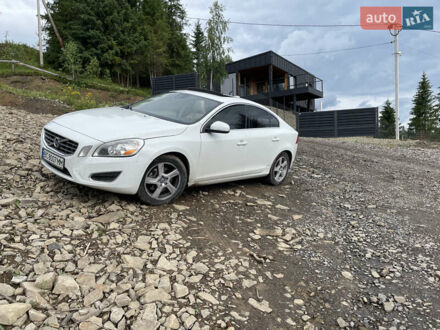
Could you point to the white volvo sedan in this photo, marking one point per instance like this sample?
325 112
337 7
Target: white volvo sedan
158 146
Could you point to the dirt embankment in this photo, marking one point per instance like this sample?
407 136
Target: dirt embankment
45 105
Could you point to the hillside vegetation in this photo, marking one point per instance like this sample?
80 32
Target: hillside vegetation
20 52
126 41
55 94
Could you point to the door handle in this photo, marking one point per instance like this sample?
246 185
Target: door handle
242 143
275 139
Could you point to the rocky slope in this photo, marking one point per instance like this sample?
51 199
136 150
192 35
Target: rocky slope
351 241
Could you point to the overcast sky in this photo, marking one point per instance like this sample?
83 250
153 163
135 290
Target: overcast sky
356 78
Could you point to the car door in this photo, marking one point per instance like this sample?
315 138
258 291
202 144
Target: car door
223 155
263 138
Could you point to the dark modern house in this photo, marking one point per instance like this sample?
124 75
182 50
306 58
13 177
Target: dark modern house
270 79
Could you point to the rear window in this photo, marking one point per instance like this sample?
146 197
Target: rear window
259 118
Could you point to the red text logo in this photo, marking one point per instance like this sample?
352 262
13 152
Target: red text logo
381 18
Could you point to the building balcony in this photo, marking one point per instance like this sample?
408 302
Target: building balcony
303 86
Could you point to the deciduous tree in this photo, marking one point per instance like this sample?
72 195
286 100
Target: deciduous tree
217 42
71 59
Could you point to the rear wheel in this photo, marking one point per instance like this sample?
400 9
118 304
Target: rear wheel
279 170
163 181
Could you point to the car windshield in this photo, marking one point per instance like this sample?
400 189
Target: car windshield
178 107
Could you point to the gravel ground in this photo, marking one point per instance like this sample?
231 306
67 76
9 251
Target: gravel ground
351 241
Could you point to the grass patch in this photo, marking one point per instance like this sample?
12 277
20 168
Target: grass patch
82 82
10 50
69 96
110 86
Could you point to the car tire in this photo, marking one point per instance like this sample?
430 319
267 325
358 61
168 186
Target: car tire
279 169
163 181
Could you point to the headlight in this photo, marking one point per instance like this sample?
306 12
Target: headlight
120 148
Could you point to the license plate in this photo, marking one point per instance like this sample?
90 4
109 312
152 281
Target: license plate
52 159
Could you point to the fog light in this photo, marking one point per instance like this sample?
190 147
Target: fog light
84 151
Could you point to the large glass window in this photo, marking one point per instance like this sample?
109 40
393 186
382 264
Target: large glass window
278 84
234 116
179 107
259 118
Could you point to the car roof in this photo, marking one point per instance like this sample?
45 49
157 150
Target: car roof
225 99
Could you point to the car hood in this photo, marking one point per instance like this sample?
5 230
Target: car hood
114 123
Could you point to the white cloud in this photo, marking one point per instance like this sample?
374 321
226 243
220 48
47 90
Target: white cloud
350 102
18 19
306 41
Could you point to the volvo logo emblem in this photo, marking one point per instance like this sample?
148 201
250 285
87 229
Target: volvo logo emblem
56 142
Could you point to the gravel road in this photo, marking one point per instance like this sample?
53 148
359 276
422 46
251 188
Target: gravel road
350 241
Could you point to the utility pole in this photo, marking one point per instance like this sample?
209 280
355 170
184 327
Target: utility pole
60 40
40 41
396 78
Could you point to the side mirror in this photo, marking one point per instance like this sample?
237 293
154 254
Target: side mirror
219 127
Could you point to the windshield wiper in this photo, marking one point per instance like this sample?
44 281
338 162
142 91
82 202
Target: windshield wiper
128 106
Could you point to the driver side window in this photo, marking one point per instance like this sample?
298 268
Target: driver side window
234 116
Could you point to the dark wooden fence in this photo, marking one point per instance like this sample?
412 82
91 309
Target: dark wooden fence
338 123
179 81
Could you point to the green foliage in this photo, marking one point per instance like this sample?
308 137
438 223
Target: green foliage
83 82
179 54
217 50
387 121
424 120
68 96
15 51
92 69
157 33
199 52
133 40
71 59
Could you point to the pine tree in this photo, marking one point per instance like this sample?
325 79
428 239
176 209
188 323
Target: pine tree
179 54
198 52
217 45
423 120
387 122
157 34
133 40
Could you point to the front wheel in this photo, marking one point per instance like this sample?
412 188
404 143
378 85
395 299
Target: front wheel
163 181
279 169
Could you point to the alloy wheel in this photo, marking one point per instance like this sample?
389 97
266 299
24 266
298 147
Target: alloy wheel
162 181
281 168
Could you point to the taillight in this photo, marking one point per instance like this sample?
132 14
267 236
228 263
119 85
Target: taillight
297 139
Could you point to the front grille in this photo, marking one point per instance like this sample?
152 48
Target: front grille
60 143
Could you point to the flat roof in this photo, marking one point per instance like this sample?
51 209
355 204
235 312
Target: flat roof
266 58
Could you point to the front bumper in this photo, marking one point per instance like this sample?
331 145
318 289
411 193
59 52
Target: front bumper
80 169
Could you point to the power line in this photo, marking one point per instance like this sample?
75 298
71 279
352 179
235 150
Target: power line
341 50
282 25
295 25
